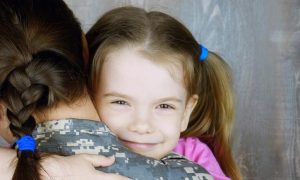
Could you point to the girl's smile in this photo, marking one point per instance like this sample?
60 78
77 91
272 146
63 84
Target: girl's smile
137 146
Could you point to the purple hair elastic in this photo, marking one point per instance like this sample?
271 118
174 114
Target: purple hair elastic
204 53
26 143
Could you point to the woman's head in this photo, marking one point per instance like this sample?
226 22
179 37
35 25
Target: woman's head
41 62
164 41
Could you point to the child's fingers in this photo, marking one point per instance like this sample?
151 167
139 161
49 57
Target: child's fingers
98 160
80 166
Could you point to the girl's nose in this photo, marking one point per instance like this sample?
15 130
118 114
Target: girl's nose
141 128
142 123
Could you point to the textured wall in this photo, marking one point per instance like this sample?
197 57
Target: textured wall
260 39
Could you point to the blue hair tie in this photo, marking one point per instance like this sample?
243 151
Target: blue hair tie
26 143
204 53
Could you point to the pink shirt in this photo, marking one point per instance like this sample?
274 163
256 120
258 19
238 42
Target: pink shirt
193 149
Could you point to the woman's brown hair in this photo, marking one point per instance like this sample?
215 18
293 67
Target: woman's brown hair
40 65
167 41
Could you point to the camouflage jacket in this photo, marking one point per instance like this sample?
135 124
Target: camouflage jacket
74 136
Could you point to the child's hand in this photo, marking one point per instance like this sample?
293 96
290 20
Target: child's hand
81 166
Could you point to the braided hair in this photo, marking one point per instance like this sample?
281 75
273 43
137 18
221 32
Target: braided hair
40 65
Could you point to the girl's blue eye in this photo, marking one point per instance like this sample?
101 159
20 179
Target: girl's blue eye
166 106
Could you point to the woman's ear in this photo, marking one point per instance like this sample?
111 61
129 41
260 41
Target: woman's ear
191 103
2 113
85 51
5 132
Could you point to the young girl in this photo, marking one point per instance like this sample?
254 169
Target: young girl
42 81
132 50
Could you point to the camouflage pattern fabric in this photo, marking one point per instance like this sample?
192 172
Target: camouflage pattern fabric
75 136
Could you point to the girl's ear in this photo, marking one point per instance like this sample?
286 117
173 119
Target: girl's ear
85 51
192 101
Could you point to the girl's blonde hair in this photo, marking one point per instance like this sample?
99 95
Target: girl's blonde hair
164 40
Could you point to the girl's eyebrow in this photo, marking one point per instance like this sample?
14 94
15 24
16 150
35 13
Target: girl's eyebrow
170 99
116 94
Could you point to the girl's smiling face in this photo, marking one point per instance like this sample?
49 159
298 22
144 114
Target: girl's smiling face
142 103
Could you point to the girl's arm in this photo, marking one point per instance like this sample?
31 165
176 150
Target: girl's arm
55 167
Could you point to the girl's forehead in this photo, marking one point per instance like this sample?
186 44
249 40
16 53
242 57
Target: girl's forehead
136 69
146 61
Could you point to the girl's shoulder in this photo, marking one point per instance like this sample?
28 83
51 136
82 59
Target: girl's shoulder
195 150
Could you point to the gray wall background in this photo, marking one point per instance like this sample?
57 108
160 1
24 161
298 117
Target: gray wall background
260 39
